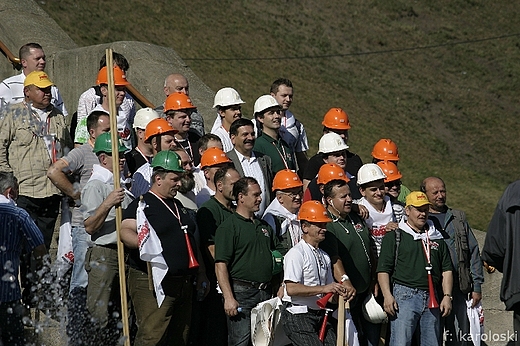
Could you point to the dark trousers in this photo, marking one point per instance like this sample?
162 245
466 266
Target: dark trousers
304 329
11 326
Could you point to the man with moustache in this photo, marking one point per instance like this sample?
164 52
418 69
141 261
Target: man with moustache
248 162
422 255
210 216
32 59
453 225
243 260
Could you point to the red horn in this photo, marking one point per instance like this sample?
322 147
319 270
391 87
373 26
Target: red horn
323 328
322 302
432 302
192 260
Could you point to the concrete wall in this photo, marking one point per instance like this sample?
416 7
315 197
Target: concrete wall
74 69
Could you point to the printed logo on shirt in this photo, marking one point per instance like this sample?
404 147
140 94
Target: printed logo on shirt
265 232
434 245
358 227
378 231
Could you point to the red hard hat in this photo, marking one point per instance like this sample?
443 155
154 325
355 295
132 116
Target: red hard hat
385 149
177 101
157 127
212 157
286 179
313 211
119 77
337 119
329 172
390 170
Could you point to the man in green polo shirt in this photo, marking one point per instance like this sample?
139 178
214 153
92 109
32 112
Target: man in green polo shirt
243 260
268 116
422 255
347 242
210 215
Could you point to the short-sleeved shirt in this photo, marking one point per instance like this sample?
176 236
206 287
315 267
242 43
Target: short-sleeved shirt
80 161
245 246
350 241
168 229
210 215
16 228
354 163
411 261
308 266
278 150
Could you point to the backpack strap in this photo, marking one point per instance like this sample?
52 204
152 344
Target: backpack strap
397 242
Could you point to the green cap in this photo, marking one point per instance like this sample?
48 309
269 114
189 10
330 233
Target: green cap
104 144
167 160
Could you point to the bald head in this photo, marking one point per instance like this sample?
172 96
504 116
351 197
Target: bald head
176 83
435 190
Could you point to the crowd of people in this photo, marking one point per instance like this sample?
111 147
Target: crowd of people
216 223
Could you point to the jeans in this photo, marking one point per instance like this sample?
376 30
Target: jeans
413 313
80 244
239 326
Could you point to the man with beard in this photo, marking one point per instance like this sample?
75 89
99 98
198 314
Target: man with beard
248 162
419 257
268 115
209 216
454 226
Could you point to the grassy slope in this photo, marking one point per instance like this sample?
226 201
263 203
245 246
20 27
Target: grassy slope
452 110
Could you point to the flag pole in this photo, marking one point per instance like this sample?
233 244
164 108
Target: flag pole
117 185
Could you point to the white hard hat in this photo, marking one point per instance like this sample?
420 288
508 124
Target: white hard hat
264 102
369 172
372 311
143 117
331 142
227 97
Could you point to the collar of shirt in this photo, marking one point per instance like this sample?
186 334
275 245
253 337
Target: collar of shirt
242 158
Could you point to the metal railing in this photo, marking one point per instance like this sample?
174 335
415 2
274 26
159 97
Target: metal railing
138 97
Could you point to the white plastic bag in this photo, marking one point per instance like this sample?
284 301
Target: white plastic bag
476 321
351 334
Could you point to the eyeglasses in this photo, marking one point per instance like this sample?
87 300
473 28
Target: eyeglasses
393 183
293 194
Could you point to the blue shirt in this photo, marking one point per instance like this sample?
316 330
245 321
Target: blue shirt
16 228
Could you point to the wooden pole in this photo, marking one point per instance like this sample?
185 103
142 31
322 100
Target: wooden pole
340 338
119 211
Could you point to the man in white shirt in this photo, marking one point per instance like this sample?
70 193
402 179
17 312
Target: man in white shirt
32 59
228 105
307 277
250 163
211 161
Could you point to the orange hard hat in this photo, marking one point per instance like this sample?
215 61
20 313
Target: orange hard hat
177 101
390 170
329 172
385 149
313 211
337 119
212 157
119 77
156 127
286 179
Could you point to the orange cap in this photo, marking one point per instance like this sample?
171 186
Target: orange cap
329 172
313 211
119 77
390 170
336 118
156 127
385 149
286 179
177 101
212 157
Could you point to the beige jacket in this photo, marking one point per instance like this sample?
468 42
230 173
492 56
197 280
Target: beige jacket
24 152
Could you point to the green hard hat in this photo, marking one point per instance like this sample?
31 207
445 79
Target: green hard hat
167 160
104 144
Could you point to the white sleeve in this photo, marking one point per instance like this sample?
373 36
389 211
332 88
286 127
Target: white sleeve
293 266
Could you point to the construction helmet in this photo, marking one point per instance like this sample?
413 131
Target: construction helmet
385 149
177 101
143 117
313 211
336 119
119 77
167 160
156 127
286 179
213 157
227 97
265 102
104 144
390 170
372 311
331 142
369 172
329 172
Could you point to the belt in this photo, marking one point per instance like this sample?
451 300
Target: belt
254 284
